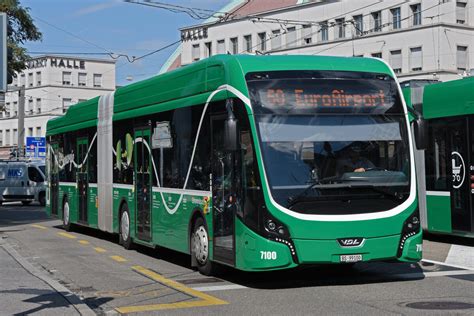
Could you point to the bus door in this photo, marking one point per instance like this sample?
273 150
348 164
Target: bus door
460 172
224 197
143 180
82 178
53 179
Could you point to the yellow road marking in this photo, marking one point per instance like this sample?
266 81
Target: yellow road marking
38 226
205 299
67 235
100 250
83 242
118 258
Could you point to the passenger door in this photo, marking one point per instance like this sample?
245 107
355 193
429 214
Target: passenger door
461 175
82 178
224 197
53 179
143 187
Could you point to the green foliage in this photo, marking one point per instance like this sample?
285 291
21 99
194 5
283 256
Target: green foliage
21 29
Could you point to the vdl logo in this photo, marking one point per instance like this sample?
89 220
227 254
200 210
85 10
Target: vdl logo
458 169
351 242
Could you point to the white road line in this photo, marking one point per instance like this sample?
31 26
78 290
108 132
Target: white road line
461 255
449 265
219 288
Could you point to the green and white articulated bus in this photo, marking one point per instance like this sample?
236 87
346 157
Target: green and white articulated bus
446 168
256 162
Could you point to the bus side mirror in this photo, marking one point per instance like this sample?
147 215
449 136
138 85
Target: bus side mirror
231 139
420 131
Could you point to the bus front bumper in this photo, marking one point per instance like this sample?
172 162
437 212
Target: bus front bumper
256 253
372 249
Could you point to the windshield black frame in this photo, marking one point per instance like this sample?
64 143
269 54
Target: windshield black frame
341 194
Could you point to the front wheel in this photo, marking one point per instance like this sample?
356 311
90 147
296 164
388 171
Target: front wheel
66 215
125 238
200 247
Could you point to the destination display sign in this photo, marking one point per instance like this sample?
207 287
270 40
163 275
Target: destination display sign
306 98
323 95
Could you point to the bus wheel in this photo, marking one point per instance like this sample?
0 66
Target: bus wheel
125 239
66 215
42 199
200 247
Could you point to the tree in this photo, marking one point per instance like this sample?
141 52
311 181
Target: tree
20 29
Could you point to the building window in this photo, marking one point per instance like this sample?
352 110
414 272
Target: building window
377 55
30 131
66 78
461 58
396 61
81 79
396 18
196 54
221 47
1 138
324 31
340 28
416 13
22 80
208 49
307 34
377 21
81 100
30 79
38 78
248 43
234 45
97 80
359 24
15 108
416 59
29 109
276 39
262 41
461 12
291 37
38 131
15 137
7 137
66 104
38 106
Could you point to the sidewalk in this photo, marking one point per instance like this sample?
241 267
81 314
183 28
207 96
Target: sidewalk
26 290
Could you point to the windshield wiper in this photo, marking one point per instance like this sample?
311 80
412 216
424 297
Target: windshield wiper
292 200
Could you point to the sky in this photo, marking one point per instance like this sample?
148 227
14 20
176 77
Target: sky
100 26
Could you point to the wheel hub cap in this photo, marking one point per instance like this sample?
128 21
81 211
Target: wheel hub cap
201 244
125 225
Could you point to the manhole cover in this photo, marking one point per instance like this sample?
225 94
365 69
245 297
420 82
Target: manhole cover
433 305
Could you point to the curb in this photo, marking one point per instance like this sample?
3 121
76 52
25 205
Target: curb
69 296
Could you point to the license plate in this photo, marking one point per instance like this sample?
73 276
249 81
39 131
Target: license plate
351 258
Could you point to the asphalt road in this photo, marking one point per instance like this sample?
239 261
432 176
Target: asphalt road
105 278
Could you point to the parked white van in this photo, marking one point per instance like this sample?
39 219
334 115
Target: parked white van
22 181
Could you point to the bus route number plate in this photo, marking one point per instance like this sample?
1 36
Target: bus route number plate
351 258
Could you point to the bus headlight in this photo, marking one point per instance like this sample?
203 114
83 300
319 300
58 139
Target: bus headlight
411 227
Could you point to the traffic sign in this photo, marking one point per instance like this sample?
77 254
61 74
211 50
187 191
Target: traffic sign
36 147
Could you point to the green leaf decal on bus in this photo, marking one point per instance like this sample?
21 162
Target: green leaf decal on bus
129 147
118 157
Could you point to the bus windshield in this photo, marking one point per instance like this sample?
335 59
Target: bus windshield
332 142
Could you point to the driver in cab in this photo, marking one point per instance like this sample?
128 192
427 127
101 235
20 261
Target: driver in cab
355 162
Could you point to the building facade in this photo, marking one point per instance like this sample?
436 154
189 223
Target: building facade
420 39
51 84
